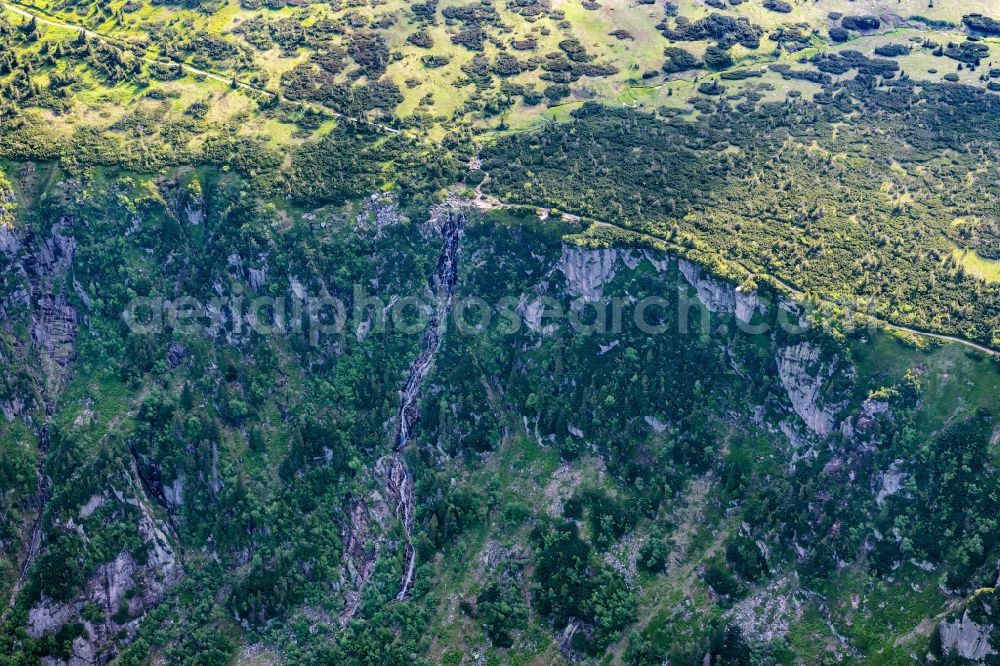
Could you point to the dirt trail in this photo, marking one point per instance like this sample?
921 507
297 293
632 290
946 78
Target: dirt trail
800 295
926 626
486 201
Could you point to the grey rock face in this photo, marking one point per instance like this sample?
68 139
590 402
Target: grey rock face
892 482
588 270
175 354
257 277
380 212
12 408
39 266
54 327
967 638
174 493
123 589
720 295
802 374
9 245
717 296
194 209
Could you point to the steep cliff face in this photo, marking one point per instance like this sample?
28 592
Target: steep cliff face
967 638
37 272
9 245
368 520
720 295
587 270
802 371
40 326
121 591
364 535
802 374
892 482
121 588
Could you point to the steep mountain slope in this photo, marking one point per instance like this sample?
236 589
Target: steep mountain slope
374 332
691 468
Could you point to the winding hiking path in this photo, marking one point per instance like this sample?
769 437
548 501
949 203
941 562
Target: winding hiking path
905 329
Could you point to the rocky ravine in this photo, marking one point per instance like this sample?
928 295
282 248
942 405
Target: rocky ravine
39 270
392 469
35 272
124 589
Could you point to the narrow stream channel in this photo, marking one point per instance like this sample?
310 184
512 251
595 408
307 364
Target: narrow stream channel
400 481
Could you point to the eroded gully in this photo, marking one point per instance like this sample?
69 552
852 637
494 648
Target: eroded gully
400 481
394 468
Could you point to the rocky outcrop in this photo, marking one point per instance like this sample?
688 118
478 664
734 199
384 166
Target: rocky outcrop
802 374
194 212
124 589
93 504
35 273
41 266
175 354
12 408
656 424
194 203
717 296
54 328
861 428
588 270
967 638
747 303
720 295
9 245
892 482
380 212
362 536
532 313
82 294
257 277
173 494
769 613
